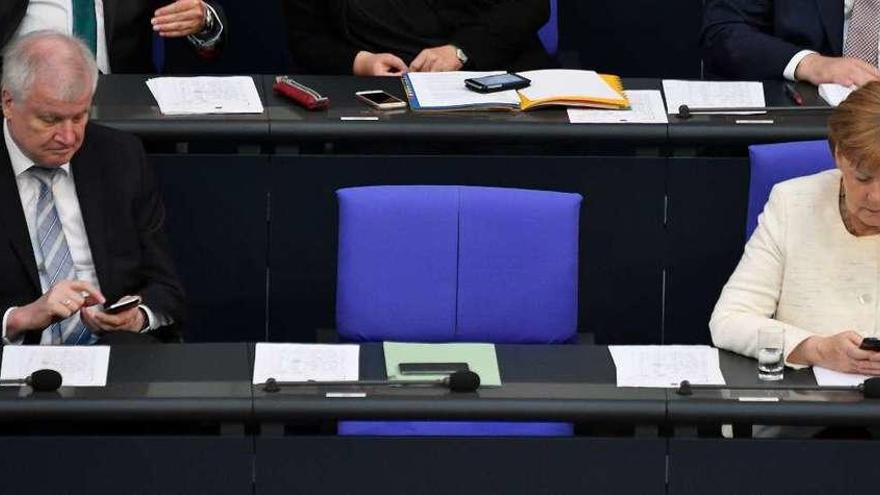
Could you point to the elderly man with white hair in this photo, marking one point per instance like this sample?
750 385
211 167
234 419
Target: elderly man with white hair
81 219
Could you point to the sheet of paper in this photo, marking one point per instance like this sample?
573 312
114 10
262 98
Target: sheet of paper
205 95
306 362
713 94
666 365
480 357
566 82
831 378
447 90
834 94
80 366
646 107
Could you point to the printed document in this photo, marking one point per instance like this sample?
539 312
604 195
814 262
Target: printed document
205 95
831 378
646 108
834 94
666 365
306 362
713 94
79 366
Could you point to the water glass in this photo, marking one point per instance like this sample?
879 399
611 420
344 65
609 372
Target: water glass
771 342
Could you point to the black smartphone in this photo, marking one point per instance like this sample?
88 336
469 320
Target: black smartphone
126 302
498 82
431 368
870 344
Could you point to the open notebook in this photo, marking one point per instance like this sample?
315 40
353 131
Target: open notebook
445 91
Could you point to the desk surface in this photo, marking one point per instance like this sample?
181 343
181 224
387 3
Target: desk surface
124 102
212 382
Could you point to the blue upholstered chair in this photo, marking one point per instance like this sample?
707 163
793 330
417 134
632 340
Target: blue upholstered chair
772 163
549 33
457 264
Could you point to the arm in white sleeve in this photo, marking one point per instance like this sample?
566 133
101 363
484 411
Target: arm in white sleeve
789 70
20 338
749 299
154 320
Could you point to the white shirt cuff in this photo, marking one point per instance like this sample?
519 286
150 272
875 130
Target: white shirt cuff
154 320
17 341
788 72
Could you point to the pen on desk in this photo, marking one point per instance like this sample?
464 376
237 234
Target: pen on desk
793 94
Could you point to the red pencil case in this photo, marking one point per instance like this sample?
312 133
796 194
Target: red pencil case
302 95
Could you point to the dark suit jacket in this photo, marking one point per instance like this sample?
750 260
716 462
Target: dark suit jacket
126 23
123 215
495 34
755 39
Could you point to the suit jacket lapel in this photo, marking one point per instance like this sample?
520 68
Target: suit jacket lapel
90 192
831 13
12 217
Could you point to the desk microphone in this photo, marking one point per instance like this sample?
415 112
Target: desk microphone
460 381
870 388
686 112
41 380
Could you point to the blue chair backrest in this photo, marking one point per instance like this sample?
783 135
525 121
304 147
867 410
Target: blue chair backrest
549 33
772 163
454 263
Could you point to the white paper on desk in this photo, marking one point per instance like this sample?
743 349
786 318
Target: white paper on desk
666 365
80 366
447 90
205 95
831 378
834 94
306 362
713 94
646 107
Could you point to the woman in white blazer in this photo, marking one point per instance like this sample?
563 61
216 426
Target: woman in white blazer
813 264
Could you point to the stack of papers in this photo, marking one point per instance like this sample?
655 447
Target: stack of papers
646 107
665 366
712 94
834 94
205 95
306 362
79 366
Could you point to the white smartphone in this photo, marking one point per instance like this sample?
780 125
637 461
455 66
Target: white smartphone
127 302
377 98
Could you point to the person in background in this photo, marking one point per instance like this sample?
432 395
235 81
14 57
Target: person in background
119 32
81 218
390 37
812 264
823 41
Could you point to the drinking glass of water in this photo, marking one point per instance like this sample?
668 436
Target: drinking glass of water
771 341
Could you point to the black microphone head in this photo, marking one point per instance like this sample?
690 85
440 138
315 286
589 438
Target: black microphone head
463 381
684 388
684 112
271 386
44 380
871 388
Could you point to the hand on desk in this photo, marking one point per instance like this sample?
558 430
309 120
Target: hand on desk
130 320
437 59
180 18
58 303
377 64
839 352
846 71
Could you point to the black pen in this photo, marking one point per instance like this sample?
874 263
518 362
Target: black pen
793 94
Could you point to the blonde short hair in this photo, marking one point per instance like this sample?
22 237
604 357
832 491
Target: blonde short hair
854 128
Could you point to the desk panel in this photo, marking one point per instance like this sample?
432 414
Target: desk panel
620 232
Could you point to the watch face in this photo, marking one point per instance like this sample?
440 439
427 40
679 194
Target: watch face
461 56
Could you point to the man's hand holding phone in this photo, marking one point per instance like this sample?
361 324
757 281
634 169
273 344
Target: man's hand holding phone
123 315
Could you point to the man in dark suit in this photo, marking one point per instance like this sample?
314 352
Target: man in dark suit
81 220
121 39
388 37
796 39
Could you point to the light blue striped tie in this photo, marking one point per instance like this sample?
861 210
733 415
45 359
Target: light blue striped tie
57 262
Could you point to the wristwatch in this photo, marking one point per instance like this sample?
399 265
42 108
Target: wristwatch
461 55
209 19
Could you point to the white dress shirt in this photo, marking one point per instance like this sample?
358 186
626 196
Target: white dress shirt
801 270
57 15
788 72
67 205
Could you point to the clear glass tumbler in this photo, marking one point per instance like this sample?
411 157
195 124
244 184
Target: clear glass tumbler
771 342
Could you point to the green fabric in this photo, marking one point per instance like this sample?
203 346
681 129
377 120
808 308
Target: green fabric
85 25
480 358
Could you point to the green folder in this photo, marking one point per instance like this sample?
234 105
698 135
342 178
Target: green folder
481 359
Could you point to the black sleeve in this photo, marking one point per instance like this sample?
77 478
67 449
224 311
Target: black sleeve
494 38
738 42
313 45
